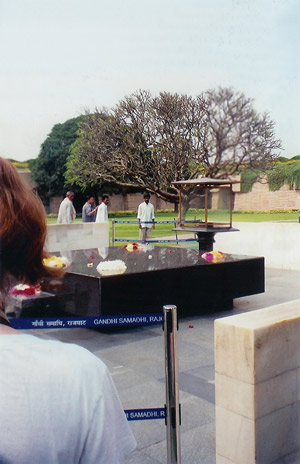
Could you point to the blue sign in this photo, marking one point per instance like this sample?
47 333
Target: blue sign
89 321
145 414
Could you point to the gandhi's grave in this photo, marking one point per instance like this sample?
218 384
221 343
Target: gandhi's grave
150 276
153 277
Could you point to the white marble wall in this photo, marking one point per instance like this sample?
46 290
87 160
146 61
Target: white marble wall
277 242
66 237
257 380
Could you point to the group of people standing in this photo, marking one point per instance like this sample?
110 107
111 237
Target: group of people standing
92 213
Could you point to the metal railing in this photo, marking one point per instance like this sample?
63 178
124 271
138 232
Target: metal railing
176 239
172 389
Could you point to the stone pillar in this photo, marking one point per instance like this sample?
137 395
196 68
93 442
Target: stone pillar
257 377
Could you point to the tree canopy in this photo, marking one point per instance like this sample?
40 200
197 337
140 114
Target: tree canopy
48 168
284 170
147 142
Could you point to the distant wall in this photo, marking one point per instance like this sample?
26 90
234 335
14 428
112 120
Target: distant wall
54 204
262 199
127 202
131 201
26 176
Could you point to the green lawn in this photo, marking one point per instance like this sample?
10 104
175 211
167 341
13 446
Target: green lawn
130 231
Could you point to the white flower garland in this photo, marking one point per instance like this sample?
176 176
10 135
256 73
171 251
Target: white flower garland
111 267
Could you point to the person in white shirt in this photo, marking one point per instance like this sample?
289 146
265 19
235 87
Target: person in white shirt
102 214
146 218
66 212
58 402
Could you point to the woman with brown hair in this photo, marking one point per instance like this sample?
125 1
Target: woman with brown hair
22 230
58 403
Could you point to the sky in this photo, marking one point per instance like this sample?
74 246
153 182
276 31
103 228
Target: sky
62 57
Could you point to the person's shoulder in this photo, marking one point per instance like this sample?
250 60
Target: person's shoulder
70 366
73 350
68 354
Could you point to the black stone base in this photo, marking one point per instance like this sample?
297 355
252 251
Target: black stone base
154 278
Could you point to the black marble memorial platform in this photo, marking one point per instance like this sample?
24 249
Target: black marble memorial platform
153 278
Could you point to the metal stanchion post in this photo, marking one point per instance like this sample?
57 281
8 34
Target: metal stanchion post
172 390
113 232
175 231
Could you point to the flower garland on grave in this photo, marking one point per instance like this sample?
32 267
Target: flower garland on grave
134 247
116 266
57 262
213 256
25 290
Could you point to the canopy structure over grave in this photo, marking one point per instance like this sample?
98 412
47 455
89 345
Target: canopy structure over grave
207 194
205 207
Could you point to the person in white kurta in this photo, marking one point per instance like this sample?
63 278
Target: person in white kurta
58 405
102 214
146 218
66 212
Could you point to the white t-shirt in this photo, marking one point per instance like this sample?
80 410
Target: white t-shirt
102 215
146 214
58 405
66 212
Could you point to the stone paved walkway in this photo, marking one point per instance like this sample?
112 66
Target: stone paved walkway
135 358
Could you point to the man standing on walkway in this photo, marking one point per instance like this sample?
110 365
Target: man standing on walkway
146 218
88 210
102 215
66 213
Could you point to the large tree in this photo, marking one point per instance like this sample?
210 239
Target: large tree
236 136
48 168
147 142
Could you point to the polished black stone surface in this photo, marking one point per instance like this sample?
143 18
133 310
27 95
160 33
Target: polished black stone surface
155 258
153 278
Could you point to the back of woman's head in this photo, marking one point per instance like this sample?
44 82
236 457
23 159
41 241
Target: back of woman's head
22 229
